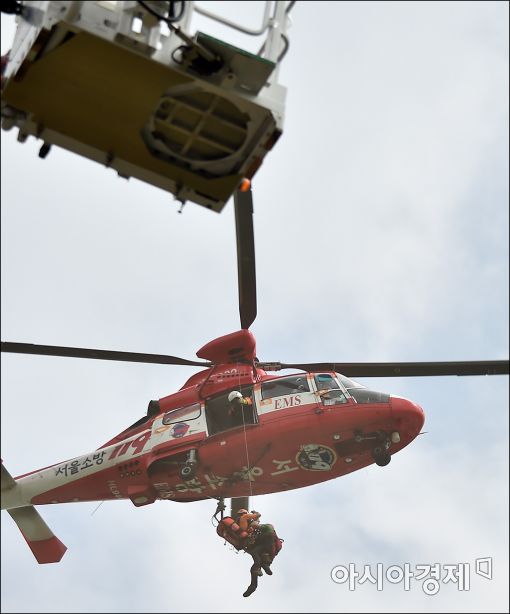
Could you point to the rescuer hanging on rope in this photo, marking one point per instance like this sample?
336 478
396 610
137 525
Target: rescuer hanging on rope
244 532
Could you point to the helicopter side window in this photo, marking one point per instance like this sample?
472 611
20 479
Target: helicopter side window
329 390
285 386
190 412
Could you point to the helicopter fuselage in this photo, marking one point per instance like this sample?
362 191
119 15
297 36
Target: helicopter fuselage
293 431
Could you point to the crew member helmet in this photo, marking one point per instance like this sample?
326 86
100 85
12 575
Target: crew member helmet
235 394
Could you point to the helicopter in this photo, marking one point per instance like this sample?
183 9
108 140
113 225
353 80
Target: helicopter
188 448
293 431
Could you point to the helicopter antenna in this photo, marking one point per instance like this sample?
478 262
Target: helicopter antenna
95 509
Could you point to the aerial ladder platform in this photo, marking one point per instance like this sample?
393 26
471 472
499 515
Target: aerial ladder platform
129 85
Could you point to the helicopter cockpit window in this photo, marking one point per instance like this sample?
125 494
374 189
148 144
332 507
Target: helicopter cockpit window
349 383
325 381
190 412
285 386
329 390
361 394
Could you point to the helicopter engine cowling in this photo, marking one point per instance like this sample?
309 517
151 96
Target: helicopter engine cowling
235 347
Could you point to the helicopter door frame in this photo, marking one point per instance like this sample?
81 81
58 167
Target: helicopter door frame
331 397
216 410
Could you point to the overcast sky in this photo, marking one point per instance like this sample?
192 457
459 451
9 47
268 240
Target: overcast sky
381 232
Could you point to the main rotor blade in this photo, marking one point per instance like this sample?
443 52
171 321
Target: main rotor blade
398 369
53 350
243 205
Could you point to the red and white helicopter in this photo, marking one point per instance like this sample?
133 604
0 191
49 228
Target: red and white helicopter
294 430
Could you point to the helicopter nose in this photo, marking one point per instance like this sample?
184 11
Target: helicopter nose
409 414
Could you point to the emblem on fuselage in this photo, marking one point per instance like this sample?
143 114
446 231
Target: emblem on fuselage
179 430
315 457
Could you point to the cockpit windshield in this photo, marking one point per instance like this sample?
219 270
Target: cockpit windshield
361 394
349 383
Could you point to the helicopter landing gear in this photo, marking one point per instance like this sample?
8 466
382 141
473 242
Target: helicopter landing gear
380 452
189 470
382 459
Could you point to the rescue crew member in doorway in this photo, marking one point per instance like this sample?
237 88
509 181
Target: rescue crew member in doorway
240 410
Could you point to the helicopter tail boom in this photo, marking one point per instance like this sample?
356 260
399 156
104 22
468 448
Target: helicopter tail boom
46 547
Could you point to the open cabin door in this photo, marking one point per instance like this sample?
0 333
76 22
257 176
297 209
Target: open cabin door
222 416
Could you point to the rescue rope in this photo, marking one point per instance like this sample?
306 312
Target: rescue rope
220 508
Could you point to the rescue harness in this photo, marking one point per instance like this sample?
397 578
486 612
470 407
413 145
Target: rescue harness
231 532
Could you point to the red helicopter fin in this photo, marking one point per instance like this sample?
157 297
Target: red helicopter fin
46 547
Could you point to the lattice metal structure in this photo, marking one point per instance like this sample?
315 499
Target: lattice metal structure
127 84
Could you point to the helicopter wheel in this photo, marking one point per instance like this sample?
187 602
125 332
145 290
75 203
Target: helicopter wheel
381 457
188 472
